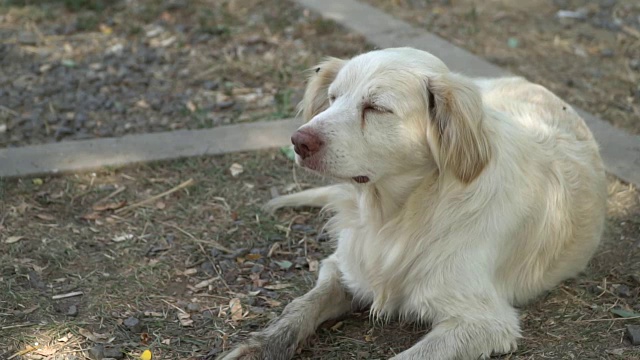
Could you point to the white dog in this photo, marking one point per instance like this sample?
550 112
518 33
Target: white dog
459 199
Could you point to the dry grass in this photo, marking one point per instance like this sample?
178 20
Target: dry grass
167 263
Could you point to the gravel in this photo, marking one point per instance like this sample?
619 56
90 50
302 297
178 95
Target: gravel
133 324
148 67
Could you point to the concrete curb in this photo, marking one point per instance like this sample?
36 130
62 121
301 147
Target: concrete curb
620 150
97 153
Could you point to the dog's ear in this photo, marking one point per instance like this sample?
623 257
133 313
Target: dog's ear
456 131
316 99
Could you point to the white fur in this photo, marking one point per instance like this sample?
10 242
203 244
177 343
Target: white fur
482 203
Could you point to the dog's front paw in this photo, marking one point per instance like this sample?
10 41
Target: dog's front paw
261 348
246 352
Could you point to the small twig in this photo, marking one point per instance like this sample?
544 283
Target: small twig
22 352
170 304
214 243
16 326
116 192
10 111
295 177
205 283
575 297
36 29
614 319
154 198
68 295
213 264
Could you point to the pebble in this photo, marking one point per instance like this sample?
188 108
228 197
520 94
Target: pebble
225 104
207 268
607 52
96 352
193 307
133 324
113 352
633 334
562 4
211 85
623 291
607 4
62 132
634 64
27 38
72 310
307 229
208 314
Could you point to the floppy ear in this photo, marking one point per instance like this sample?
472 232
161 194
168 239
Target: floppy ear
316 99
456 131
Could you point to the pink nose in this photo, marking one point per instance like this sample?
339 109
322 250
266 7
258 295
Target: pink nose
306 143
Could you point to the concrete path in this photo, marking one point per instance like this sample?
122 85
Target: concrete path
92 154
620 150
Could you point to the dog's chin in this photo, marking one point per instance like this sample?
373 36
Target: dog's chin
318 167
314 164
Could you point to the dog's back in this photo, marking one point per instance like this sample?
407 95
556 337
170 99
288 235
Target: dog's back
562 237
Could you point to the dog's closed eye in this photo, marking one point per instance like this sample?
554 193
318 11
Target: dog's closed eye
373 107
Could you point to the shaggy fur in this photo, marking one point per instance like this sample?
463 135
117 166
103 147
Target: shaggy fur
482 194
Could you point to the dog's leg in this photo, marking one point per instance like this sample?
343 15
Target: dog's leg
469 336
327 300
317 197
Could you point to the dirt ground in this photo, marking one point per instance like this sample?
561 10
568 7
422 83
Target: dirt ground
590 57
199 268
76 69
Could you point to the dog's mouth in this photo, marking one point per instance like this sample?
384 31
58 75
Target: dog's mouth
361 179
314 163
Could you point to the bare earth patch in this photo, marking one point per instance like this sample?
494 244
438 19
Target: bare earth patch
589 54
76 69
178 258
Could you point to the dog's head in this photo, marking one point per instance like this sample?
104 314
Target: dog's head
389 111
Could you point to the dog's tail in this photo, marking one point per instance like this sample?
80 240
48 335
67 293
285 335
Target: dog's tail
316 197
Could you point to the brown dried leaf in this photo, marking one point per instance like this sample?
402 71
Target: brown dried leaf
278 286
45 217
145 338
96 337
46 351
313 264
191 271
236 169
13 239
91 216
185 319
255 278
205 283
271 302
30 310
236 309
109 206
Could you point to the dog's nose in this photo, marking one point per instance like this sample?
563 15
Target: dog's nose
306 143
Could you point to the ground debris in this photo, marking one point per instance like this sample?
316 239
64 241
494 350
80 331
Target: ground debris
633 334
